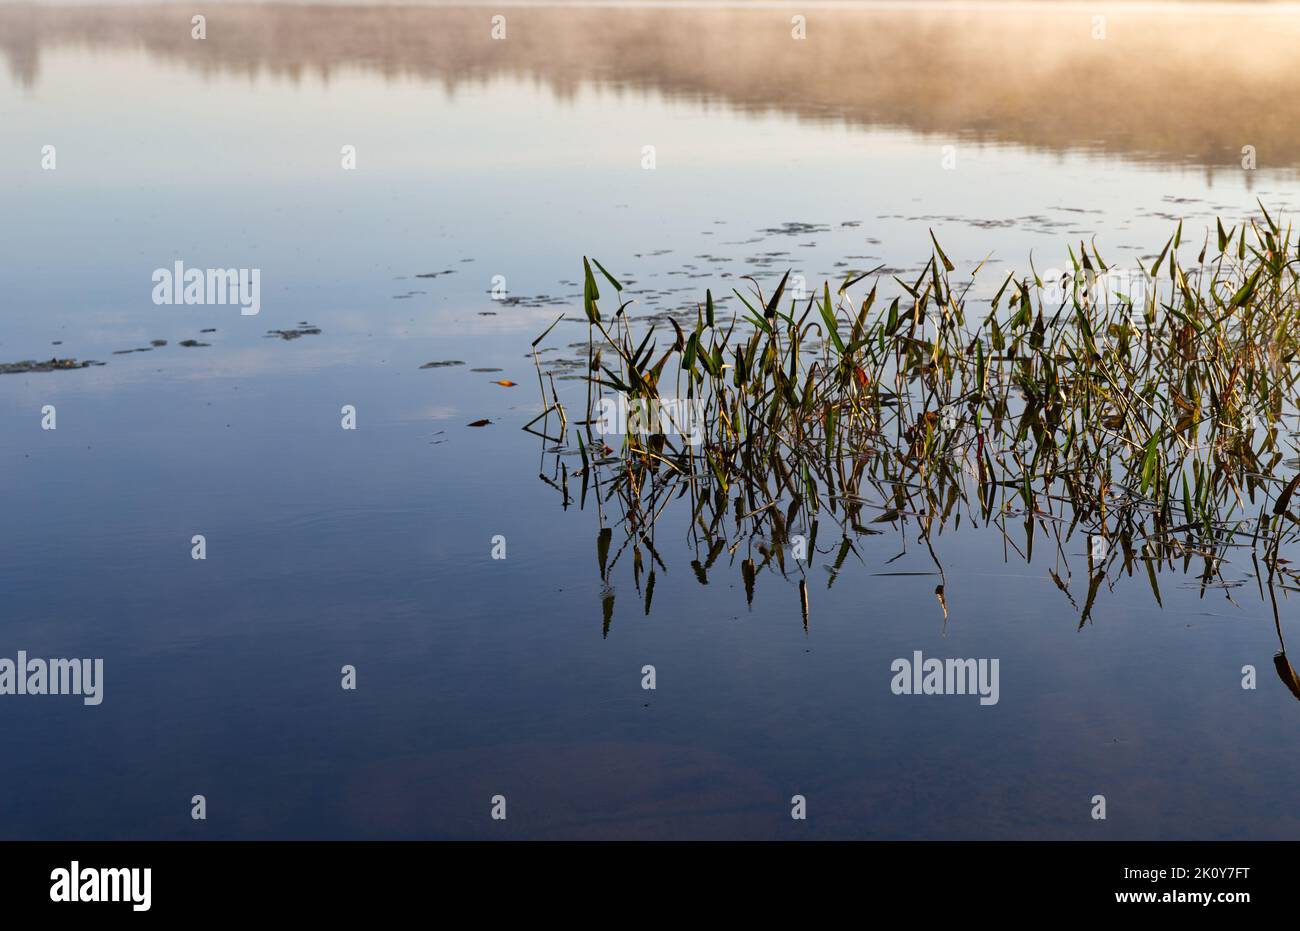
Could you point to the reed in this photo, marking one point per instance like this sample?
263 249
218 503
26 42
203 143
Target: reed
1155 422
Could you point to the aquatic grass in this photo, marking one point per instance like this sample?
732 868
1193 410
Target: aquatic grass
1158 420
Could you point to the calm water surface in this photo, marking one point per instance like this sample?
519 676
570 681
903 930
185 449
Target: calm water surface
479 158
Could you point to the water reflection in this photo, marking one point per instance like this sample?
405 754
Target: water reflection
1167 83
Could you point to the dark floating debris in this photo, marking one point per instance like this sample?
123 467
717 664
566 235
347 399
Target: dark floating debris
50 365
794 228
479 423
192 343
302 330
211 329
442 365
475 370
446 271
540 300
157 343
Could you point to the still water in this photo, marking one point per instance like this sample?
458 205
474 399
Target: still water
684 147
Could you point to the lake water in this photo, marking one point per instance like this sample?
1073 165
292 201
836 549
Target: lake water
683 146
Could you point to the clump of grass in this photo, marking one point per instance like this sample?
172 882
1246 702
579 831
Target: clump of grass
1155 423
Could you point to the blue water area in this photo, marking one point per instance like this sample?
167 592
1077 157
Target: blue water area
373 548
